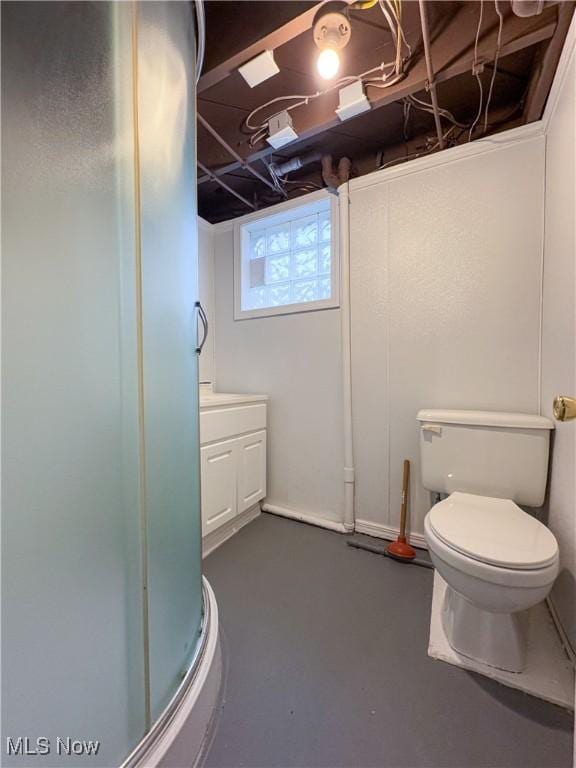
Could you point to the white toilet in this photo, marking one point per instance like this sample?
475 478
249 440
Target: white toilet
497 560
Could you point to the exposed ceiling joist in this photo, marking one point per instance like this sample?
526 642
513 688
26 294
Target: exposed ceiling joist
269 42
231 151
310 120
545 66
319 115
225 186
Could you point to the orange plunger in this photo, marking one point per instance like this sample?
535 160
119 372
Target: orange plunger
400 549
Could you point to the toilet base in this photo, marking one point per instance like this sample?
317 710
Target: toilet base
496 639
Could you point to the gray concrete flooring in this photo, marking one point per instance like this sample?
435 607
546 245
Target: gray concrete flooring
326 666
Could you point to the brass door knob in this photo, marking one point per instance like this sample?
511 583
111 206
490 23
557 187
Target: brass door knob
564 408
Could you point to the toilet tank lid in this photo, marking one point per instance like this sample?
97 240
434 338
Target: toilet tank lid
485 418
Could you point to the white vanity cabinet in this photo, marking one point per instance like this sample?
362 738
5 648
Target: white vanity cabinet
219 478
251 462
232 461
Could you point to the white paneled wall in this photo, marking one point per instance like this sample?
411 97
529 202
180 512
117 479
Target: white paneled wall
445 292
446 263
295 359
559 329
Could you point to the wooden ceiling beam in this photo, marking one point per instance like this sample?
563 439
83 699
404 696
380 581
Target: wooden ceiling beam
269 42
545 66
449 61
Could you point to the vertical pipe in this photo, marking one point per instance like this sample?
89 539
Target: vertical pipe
344 239
430 71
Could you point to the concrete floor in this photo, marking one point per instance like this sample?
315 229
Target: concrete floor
326 665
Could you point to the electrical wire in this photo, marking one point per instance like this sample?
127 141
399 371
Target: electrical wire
406 108
401 28
434 144
306 186
475 71
274 176
496 57
386 13
261 129
427 107
303 99
391 73
383 83
398 17
306 98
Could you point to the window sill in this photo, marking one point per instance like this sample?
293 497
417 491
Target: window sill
287 309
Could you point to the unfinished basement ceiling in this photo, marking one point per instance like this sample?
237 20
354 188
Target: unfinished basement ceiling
390 132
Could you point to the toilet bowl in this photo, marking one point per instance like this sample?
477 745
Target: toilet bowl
498 562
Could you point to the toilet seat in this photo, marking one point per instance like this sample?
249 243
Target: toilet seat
493 531
494 574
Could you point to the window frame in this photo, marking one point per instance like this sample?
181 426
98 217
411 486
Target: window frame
279 214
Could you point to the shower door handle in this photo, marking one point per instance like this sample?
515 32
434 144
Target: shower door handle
204 321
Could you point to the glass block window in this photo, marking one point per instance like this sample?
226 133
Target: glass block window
285 261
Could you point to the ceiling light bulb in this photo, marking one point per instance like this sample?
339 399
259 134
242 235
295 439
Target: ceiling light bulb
328 63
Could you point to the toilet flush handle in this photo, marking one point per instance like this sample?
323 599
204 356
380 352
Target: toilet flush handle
434 428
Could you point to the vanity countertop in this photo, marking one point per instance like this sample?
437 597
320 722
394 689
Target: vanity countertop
209 399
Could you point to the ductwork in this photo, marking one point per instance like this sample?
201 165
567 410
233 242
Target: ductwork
333 178
281 169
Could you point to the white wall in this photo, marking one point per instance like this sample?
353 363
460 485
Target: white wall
559 330
446 260
206 291
445 282
295 359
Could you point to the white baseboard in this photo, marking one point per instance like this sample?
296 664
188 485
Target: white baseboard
306 517
388 532
216 538
360 526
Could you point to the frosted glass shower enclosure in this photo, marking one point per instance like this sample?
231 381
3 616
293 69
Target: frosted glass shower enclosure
101 548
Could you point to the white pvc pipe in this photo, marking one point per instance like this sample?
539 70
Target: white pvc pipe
346 341
305 517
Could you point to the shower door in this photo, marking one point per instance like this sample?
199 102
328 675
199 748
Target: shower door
101 581
169 268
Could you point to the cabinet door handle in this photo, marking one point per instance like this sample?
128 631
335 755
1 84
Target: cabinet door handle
204 321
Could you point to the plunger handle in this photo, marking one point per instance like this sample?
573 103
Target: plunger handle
405 484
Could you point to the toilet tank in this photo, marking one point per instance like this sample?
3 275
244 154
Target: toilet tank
485 452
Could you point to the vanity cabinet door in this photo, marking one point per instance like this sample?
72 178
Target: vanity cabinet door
219 482
251 469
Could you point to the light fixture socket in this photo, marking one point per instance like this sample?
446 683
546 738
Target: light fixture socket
259 68
353 101
280 130
331 30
